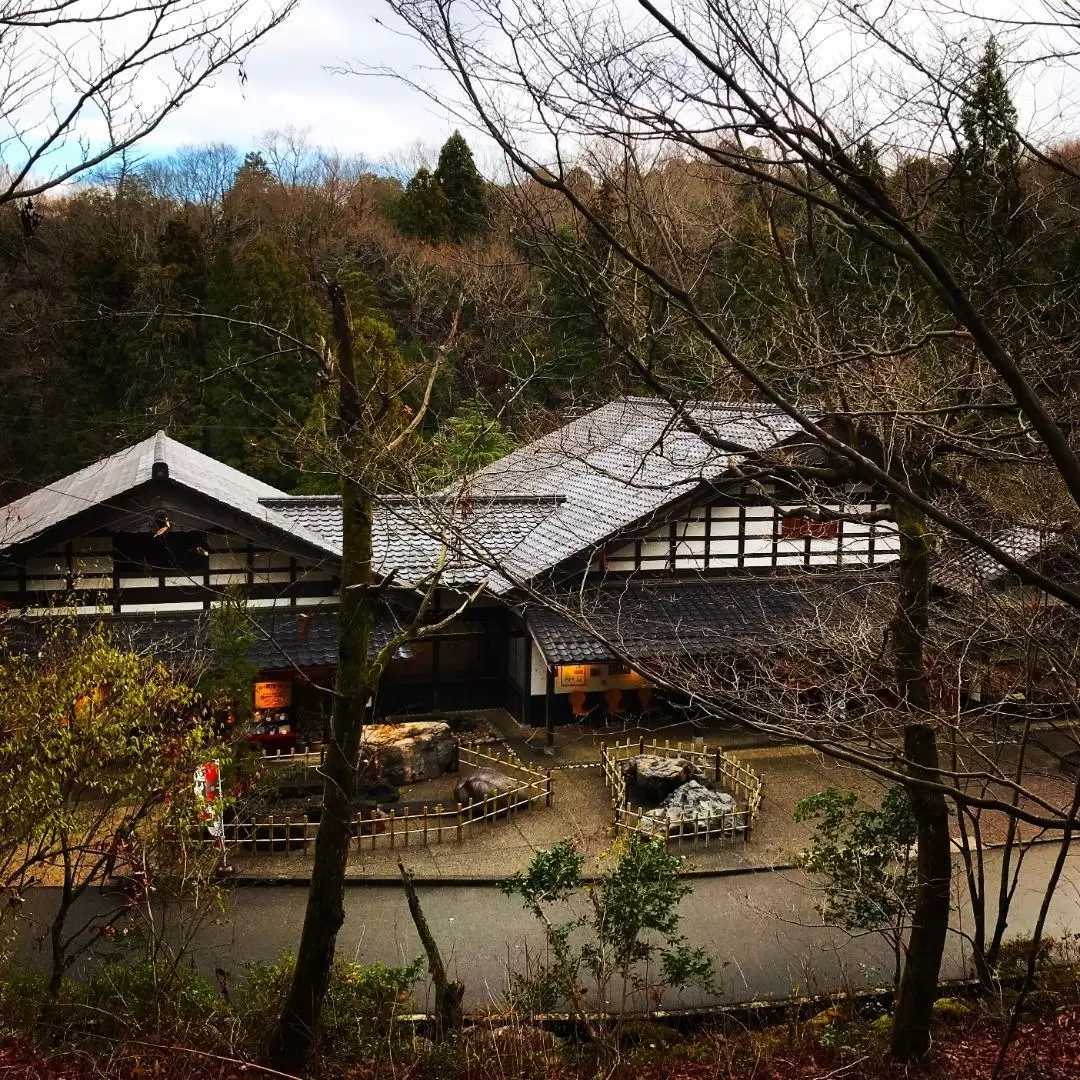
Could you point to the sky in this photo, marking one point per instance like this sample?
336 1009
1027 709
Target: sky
292 80
289 84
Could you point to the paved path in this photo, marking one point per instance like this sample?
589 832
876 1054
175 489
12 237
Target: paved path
759 926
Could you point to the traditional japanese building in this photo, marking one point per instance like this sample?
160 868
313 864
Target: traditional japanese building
666 539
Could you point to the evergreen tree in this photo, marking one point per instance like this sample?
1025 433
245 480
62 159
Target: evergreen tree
988 193
422 211
463 187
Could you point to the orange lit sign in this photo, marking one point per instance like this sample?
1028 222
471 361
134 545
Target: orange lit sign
273 695
573 674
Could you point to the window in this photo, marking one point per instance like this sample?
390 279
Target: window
794 528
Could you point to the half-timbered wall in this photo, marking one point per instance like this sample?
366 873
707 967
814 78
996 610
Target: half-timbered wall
179 571
742 532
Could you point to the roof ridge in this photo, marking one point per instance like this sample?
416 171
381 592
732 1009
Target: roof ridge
159 469
300 500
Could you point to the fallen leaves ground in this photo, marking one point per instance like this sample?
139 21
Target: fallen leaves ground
1043 1050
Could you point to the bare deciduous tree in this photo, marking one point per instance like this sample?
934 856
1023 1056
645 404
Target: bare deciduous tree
85 80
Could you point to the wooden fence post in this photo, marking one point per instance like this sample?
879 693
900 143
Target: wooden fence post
459 823
439 814
547 799
405 824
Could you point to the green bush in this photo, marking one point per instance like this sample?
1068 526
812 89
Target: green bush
23 993
362 1002
952 1011
1016 952
153 999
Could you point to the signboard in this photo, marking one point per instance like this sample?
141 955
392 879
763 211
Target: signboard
208 790
273 695
572 675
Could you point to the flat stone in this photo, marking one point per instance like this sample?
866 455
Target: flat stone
405 753
657 777
483 784
690 805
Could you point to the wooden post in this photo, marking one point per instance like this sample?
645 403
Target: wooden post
716 768
439 815
547 801
459 823
288 835
425 824
641 744
549 708
405 824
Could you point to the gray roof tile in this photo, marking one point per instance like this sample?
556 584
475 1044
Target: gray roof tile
284 638
105 480
526 513
966 569
646 619
616 465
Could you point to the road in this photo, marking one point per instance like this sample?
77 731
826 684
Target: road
762 929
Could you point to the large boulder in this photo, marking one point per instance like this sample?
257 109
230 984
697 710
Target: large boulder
405 753
655 777
689 807
483 784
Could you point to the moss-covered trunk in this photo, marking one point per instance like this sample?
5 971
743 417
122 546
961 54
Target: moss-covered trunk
293 1039
930 917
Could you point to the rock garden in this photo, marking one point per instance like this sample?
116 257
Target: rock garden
675 792
429 776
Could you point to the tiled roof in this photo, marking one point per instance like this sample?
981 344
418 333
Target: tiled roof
542 504
284 637
966 569
157 456
616 465
409 536
644 619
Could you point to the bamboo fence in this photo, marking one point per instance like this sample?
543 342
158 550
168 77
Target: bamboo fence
402 827
723 827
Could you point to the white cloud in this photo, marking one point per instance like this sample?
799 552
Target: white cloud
289 84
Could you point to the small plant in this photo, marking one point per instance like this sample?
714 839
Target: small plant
631 929
165 1001
362 1002
1015 955
865 861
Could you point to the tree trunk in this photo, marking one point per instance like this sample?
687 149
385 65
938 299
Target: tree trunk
930 917
449 994
293 1040
57 954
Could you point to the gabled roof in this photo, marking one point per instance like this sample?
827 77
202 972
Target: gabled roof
547 502
559 496
410 536
155 458
618 464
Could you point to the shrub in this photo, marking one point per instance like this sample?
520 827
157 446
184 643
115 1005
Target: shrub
23 992
362 1002
152 999
1016 952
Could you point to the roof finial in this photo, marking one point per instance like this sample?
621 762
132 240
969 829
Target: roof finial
160 469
